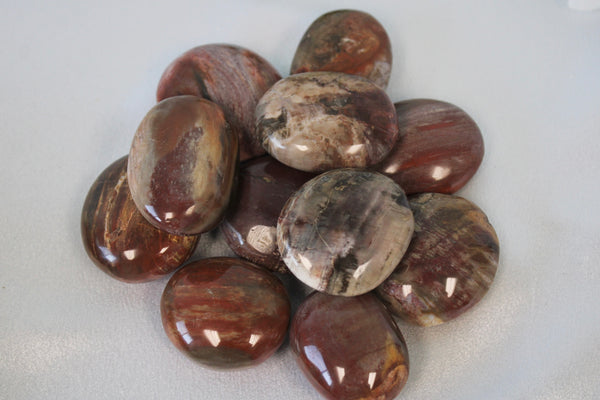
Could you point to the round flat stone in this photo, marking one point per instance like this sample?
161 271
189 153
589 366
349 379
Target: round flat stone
317 121
182 165
349 347
250 227
225 312
440 147
119 239
230 76
345 231
346 41
449 265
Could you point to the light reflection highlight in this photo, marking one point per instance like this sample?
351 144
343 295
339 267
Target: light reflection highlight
212 336
314 356
440 173
406 290
254 338
183 331
450 286
130 254
371 379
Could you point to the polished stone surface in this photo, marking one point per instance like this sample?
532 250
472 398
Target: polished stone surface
318 121
345 231
349 347
231 76
182 165
118 238
439 148
250 226
449 265
346 41
225 312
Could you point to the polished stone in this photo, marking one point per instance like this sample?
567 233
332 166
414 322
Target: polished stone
118 238
250 227
318 121
349 347
225 312
346 41
182 165
449 265
230 76
439 149
345 231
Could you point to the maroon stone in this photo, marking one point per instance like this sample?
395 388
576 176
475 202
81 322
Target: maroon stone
225 312
439 149
349 347
119 239
182 165
346 41
449 265
250 227
231 76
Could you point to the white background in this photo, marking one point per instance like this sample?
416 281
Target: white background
76 78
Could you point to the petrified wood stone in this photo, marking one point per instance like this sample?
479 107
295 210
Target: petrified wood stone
119 239
349 347
182 165
438 150
250 227
230 76
346 41
225 312
345 231
318 121
449 265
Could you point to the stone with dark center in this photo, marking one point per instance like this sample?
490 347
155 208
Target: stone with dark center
318 121
449 265
230 76
349 347
182 165
250 227
345 231
346 41
119 239
439 148
225 312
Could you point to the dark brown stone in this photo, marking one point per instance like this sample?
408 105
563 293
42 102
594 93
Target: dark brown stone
346 41
349 347
449 265
250 227
225 312
182 165
230 76
439 148
119 239
317 121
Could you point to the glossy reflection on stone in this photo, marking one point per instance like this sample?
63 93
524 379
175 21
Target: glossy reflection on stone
318 121
349 347
119 239
225 312
345 231
182 165
346 41
439 149
250 227
230 76
449 265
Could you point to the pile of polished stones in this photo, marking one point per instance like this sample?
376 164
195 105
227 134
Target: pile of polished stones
307 175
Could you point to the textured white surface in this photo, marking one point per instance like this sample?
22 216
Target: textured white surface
76 78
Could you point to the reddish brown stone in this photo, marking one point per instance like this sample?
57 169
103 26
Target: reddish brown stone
225 312
317 121
346 41
182 165
449 265
439 148
231 76
250 227
119 239
349 347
